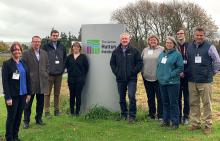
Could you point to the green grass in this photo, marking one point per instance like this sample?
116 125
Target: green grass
67 128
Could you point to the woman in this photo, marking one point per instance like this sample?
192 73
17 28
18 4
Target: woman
150 55
77 69
170 65
15 81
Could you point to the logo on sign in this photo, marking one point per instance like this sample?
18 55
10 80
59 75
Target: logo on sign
93 46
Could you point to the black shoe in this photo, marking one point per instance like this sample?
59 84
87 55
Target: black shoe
164 124
40 122
72 114
151 116
16 139
26 125
131 120
174 127
48 115
56 113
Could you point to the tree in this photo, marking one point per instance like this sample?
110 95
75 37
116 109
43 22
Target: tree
143 18
65 39
24 46
3 46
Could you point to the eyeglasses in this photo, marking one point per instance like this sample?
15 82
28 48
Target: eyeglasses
179 33
36 41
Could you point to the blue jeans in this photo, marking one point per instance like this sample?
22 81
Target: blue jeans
122 88
170 97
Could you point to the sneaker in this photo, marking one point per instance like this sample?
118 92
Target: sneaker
164 124
48 115
26 125
160 119
193 128
207 130
185 121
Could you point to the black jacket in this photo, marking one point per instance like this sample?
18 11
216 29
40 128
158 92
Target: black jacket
11 87
126 66
58 54
77 69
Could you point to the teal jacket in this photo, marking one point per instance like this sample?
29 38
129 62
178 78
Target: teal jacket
168 72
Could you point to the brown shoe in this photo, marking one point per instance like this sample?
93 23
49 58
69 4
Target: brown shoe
207 130
193 128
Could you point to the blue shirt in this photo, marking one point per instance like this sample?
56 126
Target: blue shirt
215 58
22 73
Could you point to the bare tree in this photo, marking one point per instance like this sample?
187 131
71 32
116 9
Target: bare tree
144 18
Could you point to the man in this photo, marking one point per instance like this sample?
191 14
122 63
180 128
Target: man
203 63
37 62
126 63
182 47
57 55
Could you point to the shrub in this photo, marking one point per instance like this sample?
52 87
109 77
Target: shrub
100 112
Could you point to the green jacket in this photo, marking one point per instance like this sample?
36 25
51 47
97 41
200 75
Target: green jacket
169 68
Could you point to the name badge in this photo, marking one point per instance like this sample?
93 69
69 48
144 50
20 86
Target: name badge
184 61
164 60
57 62
150 52
16 75
198 59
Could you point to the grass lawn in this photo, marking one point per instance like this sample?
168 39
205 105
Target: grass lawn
67 128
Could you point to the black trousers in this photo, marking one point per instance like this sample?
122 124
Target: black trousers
14 115
153 91
184 92
75 96
39 108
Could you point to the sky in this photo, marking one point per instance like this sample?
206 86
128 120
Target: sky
21 19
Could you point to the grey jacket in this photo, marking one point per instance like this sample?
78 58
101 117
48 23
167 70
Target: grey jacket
149 57
38 70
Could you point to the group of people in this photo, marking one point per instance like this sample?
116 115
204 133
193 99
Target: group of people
180 69
36 72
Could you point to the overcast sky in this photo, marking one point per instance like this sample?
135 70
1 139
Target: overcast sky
21 19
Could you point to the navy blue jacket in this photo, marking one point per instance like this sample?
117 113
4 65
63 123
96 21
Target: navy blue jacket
126 65
58 54
199 72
